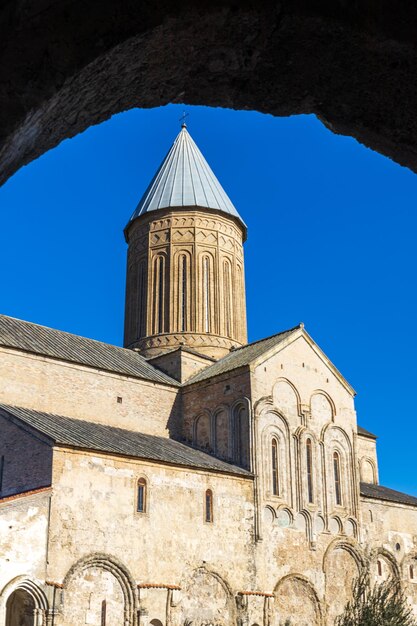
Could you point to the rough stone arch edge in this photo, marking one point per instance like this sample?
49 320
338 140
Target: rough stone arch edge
119 571
29 585
351 547
388 556
222 582
305 581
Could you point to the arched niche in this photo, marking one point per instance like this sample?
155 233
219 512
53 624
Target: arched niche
286 398
156 622
98 589
206 599
22 603
240 416
337 442
276 432
222 432
202 431
296 602
384 566
367 471
322 409
342 565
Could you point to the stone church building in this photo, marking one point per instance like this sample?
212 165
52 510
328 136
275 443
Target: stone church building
188 478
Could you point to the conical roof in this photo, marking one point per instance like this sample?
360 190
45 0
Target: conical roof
185 179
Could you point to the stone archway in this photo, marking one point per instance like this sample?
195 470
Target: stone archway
20 609
206 599
342 565
349 63
23 603
99 589
296 602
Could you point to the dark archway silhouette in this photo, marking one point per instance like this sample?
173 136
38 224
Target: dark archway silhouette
20 609
65 66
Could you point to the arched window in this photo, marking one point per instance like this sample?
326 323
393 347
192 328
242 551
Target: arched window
309 459
206 295
274 467
208 505
159 287
379 565
228 298
411 572
141 496
337 484
182 293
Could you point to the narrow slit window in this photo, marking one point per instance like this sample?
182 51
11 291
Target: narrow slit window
379 568
274 467
103 612
182 276
337 485
209 506
411 572
228 296
141 496
206 294
309 453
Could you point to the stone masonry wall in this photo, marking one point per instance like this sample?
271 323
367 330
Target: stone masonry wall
85 393
27 461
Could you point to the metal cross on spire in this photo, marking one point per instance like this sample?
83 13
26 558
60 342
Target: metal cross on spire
182 119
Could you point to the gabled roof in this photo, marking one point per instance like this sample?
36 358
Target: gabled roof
378 492
185 179
69 432
365 433
242 356
64 346
255 353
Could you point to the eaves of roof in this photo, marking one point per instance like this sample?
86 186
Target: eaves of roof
378 492
57 344
73 433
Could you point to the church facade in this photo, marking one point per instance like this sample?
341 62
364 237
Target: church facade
188 478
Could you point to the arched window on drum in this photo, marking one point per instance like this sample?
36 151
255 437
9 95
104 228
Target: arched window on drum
159 304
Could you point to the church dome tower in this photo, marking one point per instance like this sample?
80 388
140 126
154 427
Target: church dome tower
185 270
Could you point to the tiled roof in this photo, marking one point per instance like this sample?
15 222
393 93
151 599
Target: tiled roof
64 346
241 356
366 433
183 179
379 492
75 433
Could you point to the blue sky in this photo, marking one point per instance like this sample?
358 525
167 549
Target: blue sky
331 242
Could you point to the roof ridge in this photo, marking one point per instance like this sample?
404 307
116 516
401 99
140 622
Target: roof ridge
33 338
66 332
252 343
